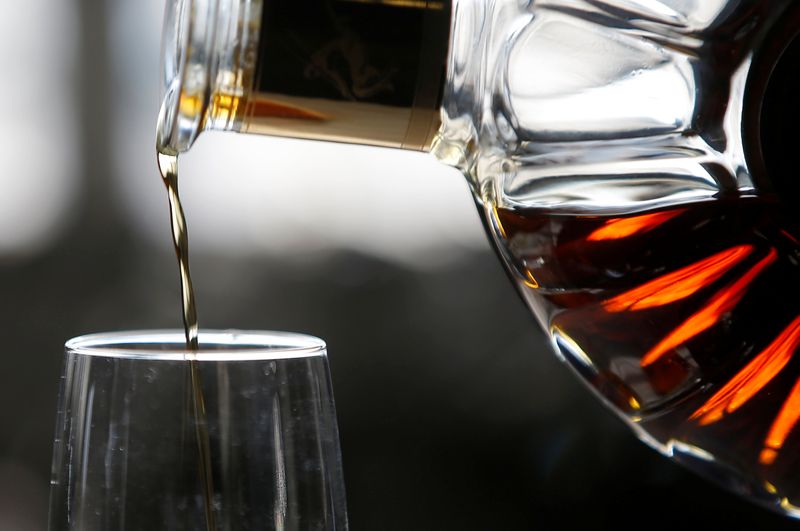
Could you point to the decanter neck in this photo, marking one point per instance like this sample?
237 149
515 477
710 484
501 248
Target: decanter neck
359 71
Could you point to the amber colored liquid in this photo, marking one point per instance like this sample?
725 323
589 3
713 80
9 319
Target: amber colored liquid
168 167
686 319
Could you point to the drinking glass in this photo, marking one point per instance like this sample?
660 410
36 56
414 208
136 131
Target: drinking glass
240 434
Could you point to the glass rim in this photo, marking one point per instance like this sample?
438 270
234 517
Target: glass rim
244 345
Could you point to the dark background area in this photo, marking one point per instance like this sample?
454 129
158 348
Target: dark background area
453 412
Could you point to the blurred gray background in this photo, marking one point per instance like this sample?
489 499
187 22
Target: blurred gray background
453 413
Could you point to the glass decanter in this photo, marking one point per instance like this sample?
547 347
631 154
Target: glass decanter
630 159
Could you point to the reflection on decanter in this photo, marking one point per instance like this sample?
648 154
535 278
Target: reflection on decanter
685 320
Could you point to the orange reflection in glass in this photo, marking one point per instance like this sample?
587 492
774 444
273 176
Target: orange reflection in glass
722 302
617 228
781 426
530 280
790 236
678 284
753 377
264 107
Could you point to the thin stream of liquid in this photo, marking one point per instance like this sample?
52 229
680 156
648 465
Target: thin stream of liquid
168 166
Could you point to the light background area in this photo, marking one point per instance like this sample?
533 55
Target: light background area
38 144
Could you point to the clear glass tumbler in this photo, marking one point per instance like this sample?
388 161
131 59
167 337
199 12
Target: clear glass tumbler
241 434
